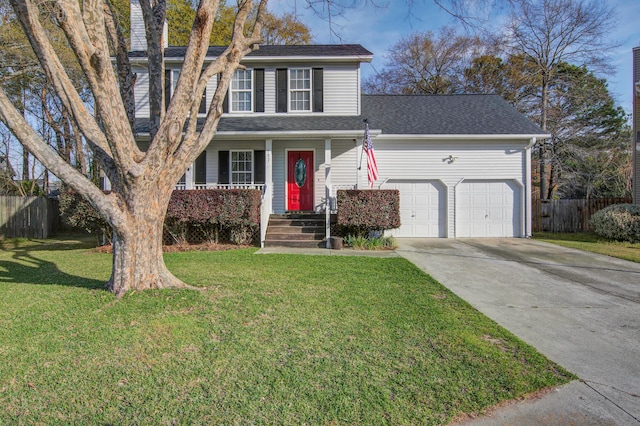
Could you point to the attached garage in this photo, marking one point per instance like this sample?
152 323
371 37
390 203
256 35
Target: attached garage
422 208
488 208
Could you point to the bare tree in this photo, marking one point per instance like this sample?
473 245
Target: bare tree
427 63
142 181
550 32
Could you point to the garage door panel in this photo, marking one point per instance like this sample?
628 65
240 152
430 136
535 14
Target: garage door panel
422 208
488 208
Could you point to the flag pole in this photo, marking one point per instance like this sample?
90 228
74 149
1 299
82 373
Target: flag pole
366 123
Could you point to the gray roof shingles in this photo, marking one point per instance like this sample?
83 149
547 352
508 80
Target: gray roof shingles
399 115
311 50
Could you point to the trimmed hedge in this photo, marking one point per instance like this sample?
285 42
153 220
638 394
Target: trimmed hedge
212 211
620 222
363 211
206 214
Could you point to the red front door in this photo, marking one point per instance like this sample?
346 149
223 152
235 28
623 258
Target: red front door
300 180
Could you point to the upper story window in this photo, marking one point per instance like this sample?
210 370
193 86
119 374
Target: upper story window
171 77
241 91
300 89
246 92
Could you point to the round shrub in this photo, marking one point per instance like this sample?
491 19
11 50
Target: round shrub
619 222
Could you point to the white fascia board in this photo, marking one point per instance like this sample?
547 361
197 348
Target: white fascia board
273 59
318 59
296 134
463 136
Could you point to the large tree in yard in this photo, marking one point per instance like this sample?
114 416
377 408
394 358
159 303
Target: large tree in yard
142 181
549 33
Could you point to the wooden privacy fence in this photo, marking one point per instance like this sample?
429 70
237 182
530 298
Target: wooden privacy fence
28 217
568 215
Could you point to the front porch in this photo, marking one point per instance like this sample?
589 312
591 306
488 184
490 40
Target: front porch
274 167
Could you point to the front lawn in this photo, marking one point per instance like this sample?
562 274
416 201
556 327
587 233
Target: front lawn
285 339
591 242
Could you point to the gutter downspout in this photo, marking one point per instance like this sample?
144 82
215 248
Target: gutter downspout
528 217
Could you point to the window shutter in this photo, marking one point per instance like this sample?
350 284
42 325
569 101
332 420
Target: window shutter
259 166
203 103
318 82
281 90
223 167
225 101
201 169
258 89
167 89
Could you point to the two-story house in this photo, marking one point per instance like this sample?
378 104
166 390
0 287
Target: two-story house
462 163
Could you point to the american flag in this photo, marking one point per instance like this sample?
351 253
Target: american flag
372 166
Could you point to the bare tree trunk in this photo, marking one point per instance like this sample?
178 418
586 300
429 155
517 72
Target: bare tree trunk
25 164
137 246
543 148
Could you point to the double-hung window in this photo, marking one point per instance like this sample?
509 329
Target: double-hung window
241 167
171 77
299 89
241 91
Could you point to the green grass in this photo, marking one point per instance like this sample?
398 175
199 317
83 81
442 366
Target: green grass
283 339
593 243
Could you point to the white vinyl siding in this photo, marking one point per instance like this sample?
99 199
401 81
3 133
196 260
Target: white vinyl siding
341 90
270 91
141 93
344 164
137 30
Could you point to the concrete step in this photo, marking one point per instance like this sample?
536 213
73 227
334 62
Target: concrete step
279 229
297 230
295 244
295 237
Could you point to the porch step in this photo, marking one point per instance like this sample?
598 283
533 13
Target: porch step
300 230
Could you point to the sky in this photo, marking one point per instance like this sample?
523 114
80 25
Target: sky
377 28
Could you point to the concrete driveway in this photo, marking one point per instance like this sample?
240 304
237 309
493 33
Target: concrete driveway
581 310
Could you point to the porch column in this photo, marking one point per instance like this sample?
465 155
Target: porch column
327 185
188 177
268 167
266 208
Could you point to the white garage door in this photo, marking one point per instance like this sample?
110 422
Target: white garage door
422 208
488 208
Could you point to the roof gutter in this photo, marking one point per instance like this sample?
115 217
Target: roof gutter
295 134
463 136
261 59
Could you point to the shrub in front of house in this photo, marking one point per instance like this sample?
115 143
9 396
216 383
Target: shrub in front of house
365 212
78 213
214 215
620 222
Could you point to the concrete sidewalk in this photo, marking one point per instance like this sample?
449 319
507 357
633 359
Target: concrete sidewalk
581 310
